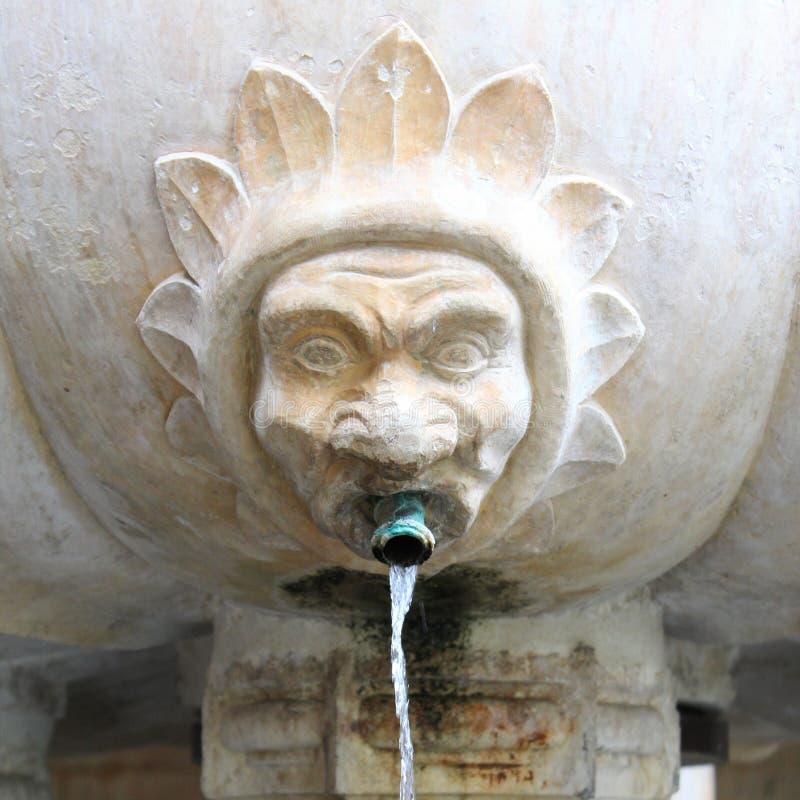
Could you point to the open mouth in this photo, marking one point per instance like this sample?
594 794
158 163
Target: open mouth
343 502
354 519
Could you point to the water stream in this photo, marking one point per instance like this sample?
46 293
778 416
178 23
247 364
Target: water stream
401 583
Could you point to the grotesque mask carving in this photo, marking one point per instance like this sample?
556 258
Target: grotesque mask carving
388 370
391 297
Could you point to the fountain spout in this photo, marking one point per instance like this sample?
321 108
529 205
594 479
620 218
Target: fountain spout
401 538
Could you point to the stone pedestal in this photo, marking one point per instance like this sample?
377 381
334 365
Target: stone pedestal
29 706
575 705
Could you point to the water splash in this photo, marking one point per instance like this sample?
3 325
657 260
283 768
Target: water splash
401 583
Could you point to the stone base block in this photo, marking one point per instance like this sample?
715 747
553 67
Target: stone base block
577 705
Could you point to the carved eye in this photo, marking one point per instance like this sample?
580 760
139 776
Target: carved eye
321 354
467 354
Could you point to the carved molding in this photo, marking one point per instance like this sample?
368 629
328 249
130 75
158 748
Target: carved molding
524 707
398 164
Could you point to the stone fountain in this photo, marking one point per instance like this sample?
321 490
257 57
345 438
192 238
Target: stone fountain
530 268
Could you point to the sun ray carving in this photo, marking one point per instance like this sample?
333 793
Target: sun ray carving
396 157
282 128
394 107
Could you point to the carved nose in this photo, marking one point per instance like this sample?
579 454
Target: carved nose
398 439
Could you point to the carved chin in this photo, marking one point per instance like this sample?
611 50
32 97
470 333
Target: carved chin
346 513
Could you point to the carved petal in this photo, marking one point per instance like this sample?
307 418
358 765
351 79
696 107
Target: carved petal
532 534
282 128
588 217
612 330
190 435
507 131
394 106
166 323
263 529
594 447
204 203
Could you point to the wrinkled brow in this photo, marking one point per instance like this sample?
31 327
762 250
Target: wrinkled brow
493 318
284 312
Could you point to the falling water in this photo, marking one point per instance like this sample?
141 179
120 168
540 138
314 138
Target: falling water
401 582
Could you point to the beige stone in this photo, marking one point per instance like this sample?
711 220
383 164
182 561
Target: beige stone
424 311
680 292
534 263
542 707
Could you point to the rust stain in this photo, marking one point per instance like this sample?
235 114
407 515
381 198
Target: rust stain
540 738
498 772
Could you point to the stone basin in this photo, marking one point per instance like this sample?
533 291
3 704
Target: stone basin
618 188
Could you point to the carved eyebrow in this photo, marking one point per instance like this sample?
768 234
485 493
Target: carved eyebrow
471 313
284 313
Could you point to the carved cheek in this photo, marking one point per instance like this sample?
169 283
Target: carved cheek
304 412
299 403
293 445
495 415
500 428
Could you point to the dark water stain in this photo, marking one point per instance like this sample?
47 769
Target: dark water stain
437 626
436 636
340 592
455 592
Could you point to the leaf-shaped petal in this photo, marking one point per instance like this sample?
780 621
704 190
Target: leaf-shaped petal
531 534
588 217
263 528
394 106
204 203
167 323
283 129
190 435
610 331
507 131
594 447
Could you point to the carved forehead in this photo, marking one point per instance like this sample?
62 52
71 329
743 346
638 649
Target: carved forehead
418 275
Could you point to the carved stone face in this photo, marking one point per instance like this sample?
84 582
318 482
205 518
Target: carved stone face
387 370
373 370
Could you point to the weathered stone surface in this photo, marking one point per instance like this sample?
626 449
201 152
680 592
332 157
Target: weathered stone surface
703 673
704 257
62 577
552 706
537 266
743 585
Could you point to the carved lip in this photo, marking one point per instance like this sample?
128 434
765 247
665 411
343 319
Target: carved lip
383 486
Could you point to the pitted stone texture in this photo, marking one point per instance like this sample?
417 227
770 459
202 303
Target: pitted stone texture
703 147
565 706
